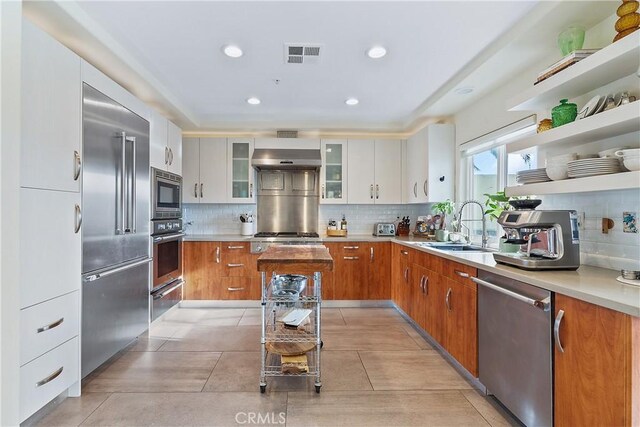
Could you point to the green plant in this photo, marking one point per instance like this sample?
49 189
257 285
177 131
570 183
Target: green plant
496 203
443 208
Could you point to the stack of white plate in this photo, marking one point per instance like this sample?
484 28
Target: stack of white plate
589 167
532 176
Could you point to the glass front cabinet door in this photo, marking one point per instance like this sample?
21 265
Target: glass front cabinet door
241 174
333 187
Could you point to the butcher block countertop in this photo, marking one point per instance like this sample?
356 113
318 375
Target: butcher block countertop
296 259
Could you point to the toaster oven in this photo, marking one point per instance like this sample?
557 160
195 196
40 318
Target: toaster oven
384 229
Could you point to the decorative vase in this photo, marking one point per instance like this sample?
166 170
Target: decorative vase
442 235
571 39
628 19
509 248
564 113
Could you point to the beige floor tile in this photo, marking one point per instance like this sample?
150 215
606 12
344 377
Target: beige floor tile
240 371
215 338
206 316
431 408
331 316
166 329
187 409
495 415
411 370
369 337
251 317
419 340
147 344
73 410
155 372
371 316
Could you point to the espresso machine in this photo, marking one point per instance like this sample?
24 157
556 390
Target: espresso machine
549 240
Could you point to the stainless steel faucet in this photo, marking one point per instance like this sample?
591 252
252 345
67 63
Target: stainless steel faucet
485 238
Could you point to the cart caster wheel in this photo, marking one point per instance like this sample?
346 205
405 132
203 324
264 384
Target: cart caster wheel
263 388
318 388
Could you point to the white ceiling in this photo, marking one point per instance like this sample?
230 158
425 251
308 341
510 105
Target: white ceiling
428 43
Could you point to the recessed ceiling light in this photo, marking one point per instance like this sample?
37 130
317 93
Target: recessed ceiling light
376 52
352 101
232 51
253 100
463 90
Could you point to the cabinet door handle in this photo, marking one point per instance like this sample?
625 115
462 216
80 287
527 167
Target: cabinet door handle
351 247
78 219
351 258
235 265
50 378
404 252
50 325
371 253
426 285
556 330
218 255
323 191
201 192
195 190
377 191
406 274
447 299
425 187
415 189
462 274
422 284
251 189
166 155
235 247
371 191
170 156
77 163
235 289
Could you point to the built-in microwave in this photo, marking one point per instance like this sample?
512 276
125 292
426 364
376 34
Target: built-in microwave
166 194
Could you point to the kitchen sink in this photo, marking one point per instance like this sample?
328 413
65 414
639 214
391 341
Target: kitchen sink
453 247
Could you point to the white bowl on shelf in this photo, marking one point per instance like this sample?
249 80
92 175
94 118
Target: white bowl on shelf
630 152
632 162
562 158
610 152
557 172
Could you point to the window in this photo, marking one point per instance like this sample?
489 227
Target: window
487 168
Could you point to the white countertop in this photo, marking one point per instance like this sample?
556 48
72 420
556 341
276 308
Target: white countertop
591 284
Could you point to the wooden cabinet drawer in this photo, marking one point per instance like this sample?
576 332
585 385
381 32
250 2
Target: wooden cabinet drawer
461 273
236 259
47 325
47 376
240 288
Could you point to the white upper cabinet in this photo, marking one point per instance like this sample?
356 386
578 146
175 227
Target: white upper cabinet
165 144
240 174
430 169
288 143
333 175
204 166
51 113
374 172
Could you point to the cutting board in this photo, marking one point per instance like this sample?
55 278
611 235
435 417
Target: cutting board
290 348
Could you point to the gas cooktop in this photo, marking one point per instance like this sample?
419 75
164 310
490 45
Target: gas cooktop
291 234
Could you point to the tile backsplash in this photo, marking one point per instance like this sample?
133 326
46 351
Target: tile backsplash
616 249
224 218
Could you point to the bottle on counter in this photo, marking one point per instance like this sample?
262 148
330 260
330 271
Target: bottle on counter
343 223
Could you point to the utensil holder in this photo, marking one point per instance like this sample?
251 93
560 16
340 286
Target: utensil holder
246 229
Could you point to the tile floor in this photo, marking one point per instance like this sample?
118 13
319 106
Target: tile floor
201 367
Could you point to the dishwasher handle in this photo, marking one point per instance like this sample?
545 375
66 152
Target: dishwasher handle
544 304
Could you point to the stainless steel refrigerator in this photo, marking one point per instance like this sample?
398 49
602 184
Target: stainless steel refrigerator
115 231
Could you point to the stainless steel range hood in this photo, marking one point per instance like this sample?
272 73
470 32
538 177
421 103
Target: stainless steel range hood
279 159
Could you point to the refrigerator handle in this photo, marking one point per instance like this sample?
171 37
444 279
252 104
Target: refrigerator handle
132 207
121 227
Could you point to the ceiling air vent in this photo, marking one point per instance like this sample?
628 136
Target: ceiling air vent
302 53
287 134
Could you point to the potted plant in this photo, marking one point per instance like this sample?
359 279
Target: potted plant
496 204
443 209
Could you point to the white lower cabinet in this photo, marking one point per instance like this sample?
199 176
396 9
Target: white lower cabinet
51 252
47 325
46 377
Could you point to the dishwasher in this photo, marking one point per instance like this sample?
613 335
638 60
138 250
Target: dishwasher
515 347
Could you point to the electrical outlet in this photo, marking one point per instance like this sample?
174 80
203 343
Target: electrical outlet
581 217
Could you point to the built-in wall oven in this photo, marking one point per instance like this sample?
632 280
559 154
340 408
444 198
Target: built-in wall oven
166 236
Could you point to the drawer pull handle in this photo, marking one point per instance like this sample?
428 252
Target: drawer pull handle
351 258
351 247
556 330
235 265
78 219
51 325
371 253
50 378
462 273
235 247
218 255
235 289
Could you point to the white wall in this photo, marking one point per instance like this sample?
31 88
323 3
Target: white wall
224 218
613 250
10 39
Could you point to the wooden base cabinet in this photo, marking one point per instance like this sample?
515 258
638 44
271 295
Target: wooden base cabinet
461 324
597 365
379 271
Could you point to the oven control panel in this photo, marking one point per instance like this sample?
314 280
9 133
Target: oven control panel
166 226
